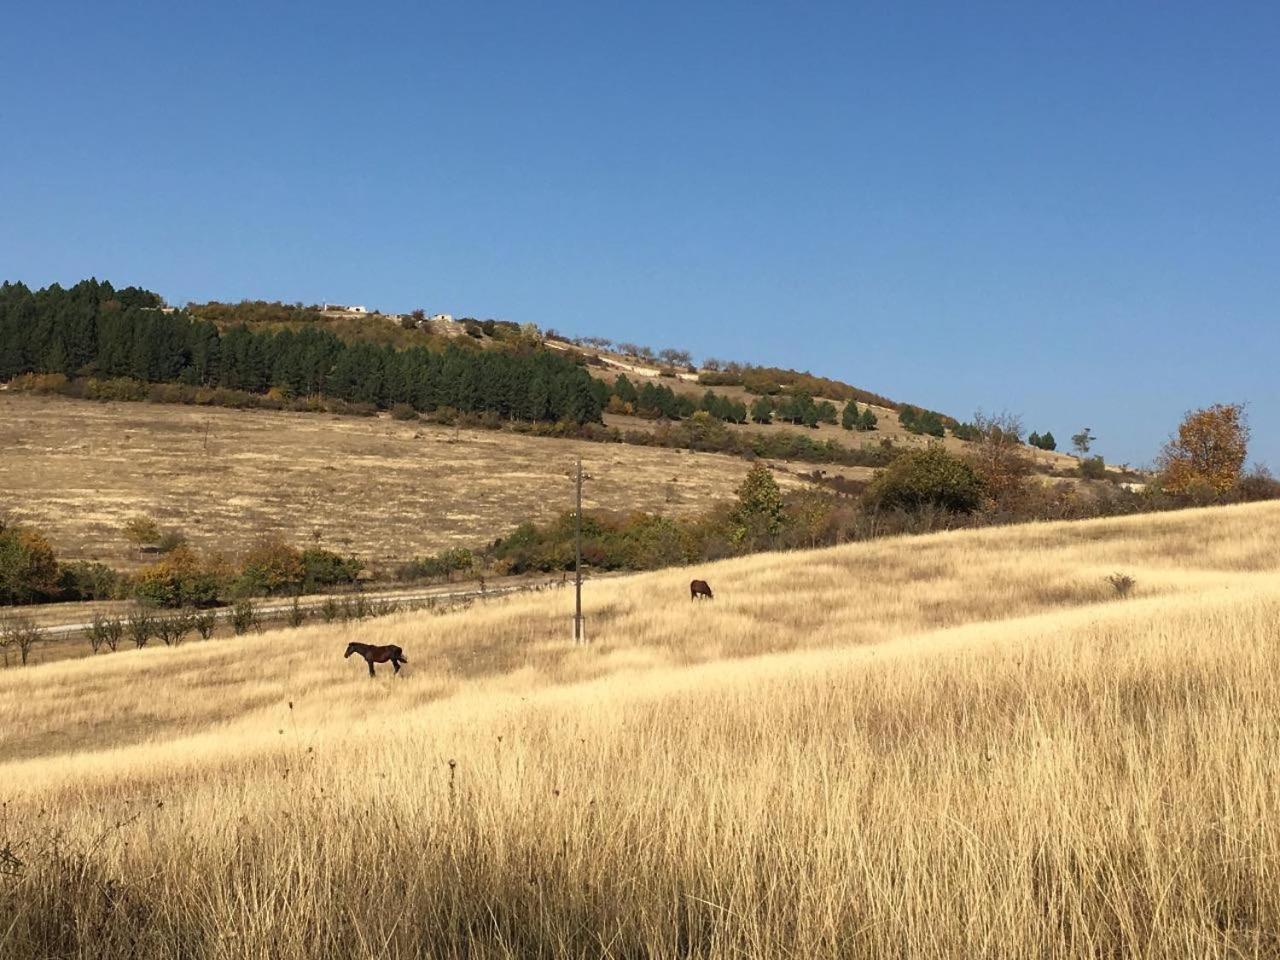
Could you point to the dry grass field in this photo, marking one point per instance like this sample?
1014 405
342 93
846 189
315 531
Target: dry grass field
383 489
962 745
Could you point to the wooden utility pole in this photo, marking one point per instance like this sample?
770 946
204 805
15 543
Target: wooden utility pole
579 634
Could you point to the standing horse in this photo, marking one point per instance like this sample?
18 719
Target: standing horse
700 588
374 655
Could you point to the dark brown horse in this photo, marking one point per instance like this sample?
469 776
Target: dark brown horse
374 655
700 588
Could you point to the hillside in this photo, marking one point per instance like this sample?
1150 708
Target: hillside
96 341
607 365
954 745
385 490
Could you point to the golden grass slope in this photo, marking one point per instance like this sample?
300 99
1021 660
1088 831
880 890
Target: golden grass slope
383 489
958 745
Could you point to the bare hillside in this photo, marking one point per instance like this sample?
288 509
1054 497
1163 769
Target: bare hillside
382 489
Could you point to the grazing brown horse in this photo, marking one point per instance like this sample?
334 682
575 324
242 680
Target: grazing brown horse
700 588
374 655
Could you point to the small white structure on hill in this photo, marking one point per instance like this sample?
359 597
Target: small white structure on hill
443 317
339 308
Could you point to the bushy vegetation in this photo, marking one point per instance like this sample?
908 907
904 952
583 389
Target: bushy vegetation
180 577
255 312
931 477
769 381
91 330
1093 468
915 420
1042 441
440 566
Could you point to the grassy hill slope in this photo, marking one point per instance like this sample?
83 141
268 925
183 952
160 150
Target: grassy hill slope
956 745
385 490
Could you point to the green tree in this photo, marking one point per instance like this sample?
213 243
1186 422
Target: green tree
759 514
931 477
849 417
1082 440
868 420
762 410
624 389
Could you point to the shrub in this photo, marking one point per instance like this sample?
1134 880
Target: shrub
104 632
402 411
271 566
168 393
205 622
1000 460
172 629
324 568
19 633
926 478
1258 484
40 383
1122 583
141 531
141 627
170 540
244 617
1093 468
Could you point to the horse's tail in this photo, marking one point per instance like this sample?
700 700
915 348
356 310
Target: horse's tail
400 654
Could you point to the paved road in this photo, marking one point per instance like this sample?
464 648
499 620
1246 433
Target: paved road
276 609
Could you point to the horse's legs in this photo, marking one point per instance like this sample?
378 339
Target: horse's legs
395 665
371 673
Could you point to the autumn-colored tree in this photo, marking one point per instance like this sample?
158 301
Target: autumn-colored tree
1208 450
999 458
181 579
28 567
811 511
271 566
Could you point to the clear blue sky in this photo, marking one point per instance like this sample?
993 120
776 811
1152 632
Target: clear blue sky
1070 211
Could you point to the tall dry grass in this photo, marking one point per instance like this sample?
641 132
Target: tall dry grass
958 746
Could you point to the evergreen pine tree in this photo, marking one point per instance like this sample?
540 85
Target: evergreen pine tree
849 416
